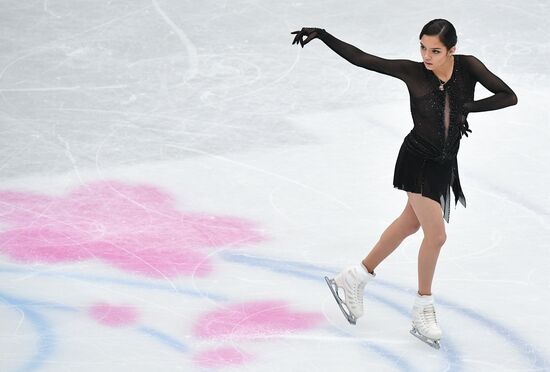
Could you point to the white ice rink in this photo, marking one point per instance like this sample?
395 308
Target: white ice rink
176 179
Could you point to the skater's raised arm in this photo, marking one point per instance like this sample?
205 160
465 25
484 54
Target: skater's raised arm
397 67
503 96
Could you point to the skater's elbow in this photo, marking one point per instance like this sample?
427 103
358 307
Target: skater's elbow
514 99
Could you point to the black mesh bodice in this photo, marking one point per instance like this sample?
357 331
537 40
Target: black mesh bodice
439 115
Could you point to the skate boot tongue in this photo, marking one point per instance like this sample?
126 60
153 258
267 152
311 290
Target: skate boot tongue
423 300
357 286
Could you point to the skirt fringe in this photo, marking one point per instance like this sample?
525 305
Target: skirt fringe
429 175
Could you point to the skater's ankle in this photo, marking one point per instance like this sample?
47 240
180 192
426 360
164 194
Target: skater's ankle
424 293
367 268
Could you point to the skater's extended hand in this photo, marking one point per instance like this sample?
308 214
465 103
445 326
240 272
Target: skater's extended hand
310 32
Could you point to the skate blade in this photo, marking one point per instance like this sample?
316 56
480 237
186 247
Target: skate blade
345 310
426 340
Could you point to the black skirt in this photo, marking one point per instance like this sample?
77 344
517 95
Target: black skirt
428 177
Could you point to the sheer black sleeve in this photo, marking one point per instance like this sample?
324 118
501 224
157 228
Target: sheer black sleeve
503 96
398 68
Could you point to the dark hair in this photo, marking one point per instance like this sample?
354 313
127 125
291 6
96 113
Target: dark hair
442 28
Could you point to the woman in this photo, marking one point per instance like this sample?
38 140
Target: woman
441 89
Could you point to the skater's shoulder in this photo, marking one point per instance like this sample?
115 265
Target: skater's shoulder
468 59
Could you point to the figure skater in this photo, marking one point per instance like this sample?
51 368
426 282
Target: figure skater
441 90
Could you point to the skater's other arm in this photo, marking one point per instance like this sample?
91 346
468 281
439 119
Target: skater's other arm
503 96
398 68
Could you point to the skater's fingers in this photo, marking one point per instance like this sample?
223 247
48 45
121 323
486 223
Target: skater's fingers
297 38
300 38
309 32
309 38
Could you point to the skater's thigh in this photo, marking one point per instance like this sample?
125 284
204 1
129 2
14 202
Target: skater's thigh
408 218
429 215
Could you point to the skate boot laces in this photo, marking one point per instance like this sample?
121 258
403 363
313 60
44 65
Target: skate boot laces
426 321
355 288
429 315
425 324
357 297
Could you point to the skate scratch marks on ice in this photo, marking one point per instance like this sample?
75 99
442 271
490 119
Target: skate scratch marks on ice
164 338
254 319
193 68
134 228
256 169
125 315
46 341
113 315
314 272
248 322
223 356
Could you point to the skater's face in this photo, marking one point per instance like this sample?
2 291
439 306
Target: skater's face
434 53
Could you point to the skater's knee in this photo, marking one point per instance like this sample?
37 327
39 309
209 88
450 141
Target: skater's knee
436 238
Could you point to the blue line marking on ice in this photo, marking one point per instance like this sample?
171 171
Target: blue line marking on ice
273 265
534 356
528 351
451 353
46 338
49 305
522 346
288 267
164 338
126 282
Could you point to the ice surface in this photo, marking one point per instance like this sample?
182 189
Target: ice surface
176 179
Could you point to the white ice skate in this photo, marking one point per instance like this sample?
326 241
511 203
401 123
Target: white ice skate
352 280
424 322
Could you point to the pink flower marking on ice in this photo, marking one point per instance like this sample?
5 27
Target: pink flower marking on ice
135 228
254 319
222 357
113 316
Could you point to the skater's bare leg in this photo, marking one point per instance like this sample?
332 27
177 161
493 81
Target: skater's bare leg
430 215
406 224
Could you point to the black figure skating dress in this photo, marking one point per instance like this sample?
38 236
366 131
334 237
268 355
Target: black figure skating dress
427 161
